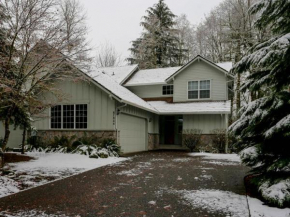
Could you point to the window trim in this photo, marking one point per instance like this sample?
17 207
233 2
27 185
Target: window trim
198 96
49 122
172 89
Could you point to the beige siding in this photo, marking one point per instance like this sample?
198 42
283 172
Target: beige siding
204 122
100 105
15 137
200 71
148 91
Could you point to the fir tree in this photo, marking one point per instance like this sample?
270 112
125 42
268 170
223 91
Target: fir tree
264 126
158 44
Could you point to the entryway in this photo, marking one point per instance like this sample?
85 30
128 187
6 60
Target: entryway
170 128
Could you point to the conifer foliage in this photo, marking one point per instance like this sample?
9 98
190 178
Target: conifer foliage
264 126
158 44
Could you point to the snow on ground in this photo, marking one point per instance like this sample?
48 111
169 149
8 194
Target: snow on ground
228 203
48 167
258 209
210 156
31 213
137 170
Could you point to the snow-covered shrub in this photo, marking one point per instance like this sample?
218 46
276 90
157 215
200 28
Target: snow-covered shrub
277 193
84 149
99 153
219 139
191 138
248 155
114 150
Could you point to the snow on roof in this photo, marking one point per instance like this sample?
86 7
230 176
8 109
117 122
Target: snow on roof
122 92
192 107
119 73
225 65
151 76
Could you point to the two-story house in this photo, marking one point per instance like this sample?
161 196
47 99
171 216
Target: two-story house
143 109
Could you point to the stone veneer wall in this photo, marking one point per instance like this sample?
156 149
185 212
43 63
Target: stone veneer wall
48 135
153 141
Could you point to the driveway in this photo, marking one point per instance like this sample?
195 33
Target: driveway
149 184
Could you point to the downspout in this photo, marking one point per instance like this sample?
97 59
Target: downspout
117 111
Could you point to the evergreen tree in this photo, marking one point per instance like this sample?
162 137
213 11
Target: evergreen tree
264 126
158 44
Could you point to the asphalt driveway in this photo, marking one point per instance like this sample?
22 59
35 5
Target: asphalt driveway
149 184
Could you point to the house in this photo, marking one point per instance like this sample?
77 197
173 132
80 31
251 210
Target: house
143 109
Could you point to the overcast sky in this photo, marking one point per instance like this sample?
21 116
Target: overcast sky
118 21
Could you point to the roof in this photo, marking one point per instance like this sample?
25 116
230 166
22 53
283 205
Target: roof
151 76
225 65
125 95
219 107
198 57
118 73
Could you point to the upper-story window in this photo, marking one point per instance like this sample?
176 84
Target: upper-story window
167 90
199 89
69 116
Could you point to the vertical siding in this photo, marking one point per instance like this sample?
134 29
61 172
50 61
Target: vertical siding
200 71
15 138
204 122
100 105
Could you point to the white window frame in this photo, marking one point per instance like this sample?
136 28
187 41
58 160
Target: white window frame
198 89
172 90
74 117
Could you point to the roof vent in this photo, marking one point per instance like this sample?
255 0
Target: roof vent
113 73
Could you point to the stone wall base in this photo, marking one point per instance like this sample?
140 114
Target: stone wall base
153 141
49 135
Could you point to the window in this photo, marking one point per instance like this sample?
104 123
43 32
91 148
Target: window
204 92
69 117
81 116
199 89
167 90
55 122
193 90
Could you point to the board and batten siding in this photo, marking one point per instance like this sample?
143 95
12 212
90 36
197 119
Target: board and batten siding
200 70
15 137
205 122
100 106
148 91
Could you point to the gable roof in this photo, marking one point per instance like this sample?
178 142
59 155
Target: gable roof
125 95
119 73
225 65
151 76
198 57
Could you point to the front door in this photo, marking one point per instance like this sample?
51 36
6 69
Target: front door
169 130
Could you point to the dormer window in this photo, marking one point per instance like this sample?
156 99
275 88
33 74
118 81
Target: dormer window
199 89
167 90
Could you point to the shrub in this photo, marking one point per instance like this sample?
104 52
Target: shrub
219 138
111 146
191 138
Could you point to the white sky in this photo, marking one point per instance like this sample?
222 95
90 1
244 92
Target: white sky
118 21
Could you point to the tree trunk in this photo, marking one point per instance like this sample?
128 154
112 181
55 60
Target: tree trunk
7 133
23 140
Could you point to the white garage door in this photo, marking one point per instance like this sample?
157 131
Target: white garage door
132 133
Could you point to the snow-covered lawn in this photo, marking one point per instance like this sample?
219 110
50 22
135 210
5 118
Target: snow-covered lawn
210 156
48 167
228 203
258 209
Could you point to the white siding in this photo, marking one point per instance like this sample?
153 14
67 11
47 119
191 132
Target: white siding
204 122
200 71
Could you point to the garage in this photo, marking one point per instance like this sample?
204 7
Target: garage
133 133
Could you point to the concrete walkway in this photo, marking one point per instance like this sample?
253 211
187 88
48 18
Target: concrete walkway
149 184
